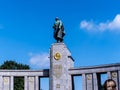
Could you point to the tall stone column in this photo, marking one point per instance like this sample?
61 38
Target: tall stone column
60 62
11 83
31 83
1 83
119 80
6 83
89 80
115 78
25 82
109 74
36 83
84 85
95 81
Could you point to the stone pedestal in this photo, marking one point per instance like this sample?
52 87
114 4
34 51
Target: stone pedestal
60 62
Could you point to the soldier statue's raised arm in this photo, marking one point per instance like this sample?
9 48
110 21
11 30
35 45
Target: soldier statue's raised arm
59 32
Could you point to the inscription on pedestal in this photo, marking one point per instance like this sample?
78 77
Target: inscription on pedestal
57 70
57 85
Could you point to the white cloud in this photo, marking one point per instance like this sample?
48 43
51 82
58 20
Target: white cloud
115 24
39 60
92 26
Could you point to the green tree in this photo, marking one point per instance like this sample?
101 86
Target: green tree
18 81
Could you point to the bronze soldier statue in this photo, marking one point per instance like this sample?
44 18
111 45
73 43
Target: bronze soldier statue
59 32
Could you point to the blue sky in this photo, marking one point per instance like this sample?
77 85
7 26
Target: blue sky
92 30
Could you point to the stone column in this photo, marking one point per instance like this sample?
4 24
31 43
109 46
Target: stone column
25 83
115 77
6 83
31 83
60 62
95 81
109 74
37 83
119 80
89 79
12 83
84 85
1 83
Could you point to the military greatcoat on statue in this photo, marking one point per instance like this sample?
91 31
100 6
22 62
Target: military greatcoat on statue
58 30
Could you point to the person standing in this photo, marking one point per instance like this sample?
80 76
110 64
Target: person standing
109 85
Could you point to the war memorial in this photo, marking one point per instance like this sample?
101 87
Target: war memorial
62 71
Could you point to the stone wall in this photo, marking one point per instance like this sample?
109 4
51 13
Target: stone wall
61 73
31 78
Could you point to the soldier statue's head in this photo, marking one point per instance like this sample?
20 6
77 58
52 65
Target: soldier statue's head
56 18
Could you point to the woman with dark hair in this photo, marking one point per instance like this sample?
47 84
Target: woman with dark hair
109 85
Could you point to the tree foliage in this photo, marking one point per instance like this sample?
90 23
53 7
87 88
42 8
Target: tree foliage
12 65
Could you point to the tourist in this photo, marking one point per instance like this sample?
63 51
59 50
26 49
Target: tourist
109 85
